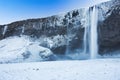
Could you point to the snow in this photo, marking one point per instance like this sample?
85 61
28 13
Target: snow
54 41
19 49
101 69
94 2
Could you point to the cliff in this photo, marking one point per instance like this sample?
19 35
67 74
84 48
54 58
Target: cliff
66 31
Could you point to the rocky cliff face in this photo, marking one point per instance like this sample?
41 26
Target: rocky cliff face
55 32
109 29
66 31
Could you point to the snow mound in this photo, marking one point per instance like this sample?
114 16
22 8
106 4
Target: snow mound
22 49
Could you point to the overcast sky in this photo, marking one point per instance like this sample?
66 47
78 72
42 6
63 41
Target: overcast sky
14 10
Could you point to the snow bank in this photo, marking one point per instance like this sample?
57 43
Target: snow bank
105 69
19 49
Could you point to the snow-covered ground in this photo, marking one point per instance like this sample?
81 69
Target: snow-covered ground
99 69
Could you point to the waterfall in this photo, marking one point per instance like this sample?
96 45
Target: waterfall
90 44
86 31
93 33
4 30
67 42
23 29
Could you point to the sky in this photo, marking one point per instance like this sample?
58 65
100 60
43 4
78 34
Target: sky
15 10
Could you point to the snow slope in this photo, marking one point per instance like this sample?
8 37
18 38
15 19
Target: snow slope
101 69
22 49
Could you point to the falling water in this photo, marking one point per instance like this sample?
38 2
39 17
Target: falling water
67 43
89 22
23 29
93 32
86 32
4 30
